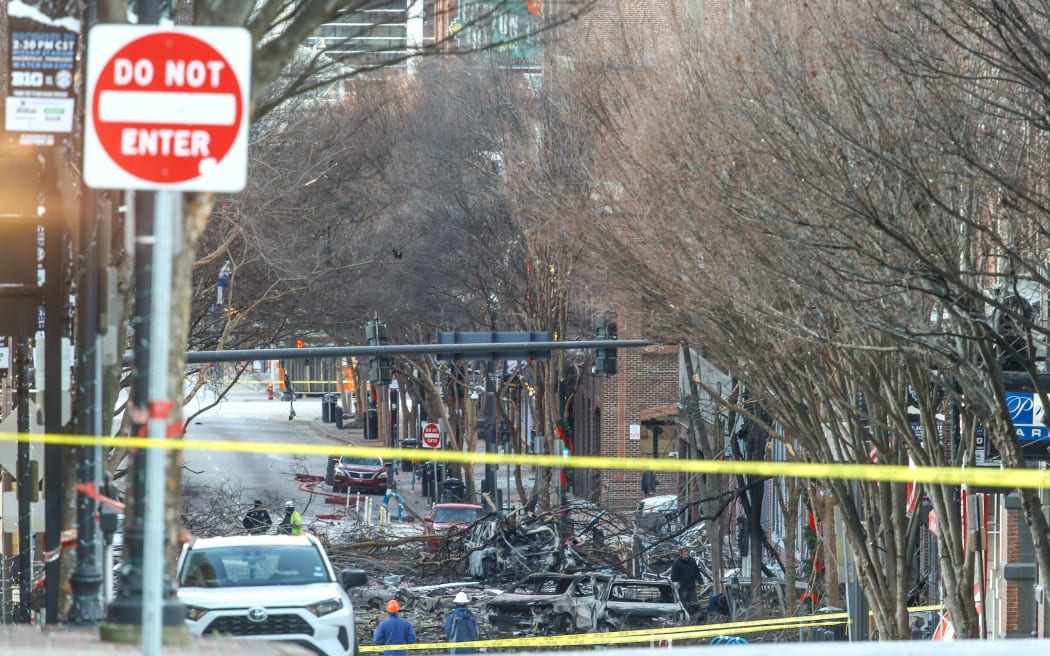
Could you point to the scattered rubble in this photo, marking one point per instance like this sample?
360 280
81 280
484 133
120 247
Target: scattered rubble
492 556
492 560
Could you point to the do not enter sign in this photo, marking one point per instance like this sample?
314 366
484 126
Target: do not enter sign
167 108
431 436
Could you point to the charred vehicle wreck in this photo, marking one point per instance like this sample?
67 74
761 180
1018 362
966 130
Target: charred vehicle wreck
635 604
550 604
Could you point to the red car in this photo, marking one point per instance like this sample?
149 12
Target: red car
446 516
357 474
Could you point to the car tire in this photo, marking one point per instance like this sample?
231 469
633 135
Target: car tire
605 627
562 624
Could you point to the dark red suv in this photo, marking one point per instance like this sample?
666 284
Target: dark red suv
358 474
444 518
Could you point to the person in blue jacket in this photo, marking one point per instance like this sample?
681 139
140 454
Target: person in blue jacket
461 625
394 630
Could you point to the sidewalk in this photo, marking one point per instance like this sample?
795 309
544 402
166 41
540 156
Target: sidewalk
23 640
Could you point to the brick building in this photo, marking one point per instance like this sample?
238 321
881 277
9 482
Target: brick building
633 414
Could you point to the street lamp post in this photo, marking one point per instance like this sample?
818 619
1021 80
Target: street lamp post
86 578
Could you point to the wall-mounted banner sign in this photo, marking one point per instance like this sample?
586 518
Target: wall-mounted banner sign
1027 417
40 100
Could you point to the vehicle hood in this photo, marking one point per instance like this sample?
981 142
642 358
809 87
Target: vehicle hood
361 469
444 526
270 596
510 599
647 609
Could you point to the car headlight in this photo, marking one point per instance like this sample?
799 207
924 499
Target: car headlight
194 613
323 608
381 474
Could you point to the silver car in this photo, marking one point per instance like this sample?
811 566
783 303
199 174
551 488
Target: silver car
268 587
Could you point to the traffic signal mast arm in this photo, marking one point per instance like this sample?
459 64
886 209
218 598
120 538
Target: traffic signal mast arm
247 355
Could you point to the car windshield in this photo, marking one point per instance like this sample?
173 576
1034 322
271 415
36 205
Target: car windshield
544 586
367 462
457 515
231 567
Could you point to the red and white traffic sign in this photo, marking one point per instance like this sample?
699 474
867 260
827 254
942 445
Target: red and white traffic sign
167 108
431 436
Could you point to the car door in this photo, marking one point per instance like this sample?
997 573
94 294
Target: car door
587 595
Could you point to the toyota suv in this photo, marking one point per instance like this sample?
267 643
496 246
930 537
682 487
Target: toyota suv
268 587
360 474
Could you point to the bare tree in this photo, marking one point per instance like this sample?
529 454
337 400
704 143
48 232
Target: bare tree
784 182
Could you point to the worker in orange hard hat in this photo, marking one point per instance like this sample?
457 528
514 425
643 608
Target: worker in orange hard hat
394 630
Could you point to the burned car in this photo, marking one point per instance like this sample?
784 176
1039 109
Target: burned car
636 604
551 604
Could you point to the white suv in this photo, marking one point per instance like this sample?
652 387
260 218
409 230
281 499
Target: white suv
268 587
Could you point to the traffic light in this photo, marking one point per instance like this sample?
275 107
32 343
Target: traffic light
378 367
604 358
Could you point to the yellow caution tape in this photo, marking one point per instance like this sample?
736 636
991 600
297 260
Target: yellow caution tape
691 632
979 476
923 609
626 637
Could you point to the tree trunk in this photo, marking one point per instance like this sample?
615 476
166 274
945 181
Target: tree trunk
829 541
791 489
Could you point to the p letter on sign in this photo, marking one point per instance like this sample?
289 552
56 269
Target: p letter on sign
167 108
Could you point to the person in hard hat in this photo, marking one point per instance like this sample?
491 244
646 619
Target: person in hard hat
292 522
394 630
461 625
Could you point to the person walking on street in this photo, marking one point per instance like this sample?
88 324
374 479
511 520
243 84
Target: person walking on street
461 625
292 522
685 573
649 483
257 520
394 630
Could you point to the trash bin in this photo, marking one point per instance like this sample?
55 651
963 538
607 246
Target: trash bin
452 490
337 415
426 474
831 633
407 464
329 472
371 424
328 404
430 485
